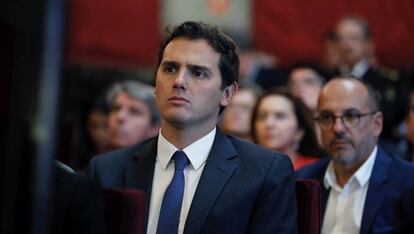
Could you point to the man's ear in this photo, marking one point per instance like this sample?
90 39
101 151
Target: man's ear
228 93
378 123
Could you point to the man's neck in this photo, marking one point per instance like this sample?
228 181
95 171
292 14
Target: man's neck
357 69
182 137
344 172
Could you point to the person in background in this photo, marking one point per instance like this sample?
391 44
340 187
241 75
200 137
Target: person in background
235 119
92 137
361 185
305 83
282 122
133 115
409 123
197 179
97 126
331 58
356 46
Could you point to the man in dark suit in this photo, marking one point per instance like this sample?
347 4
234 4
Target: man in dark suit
220 184
361 185
355 43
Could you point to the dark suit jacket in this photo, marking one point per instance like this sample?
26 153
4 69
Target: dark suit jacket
392 100
243 189
391 178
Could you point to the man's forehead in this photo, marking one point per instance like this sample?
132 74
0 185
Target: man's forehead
192 51
347 24
126 98
180 42
344 86
343 94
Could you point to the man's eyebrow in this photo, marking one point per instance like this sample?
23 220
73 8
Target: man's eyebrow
352 109
169 63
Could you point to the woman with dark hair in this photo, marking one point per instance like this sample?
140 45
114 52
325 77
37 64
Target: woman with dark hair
283 123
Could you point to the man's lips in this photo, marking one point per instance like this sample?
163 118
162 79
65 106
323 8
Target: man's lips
340 143
178 100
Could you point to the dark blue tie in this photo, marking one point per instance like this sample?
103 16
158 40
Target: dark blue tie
173 197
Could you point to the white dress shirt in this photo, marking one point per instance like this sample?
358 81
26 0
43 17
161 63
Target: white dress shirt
345 205
358 70
197 154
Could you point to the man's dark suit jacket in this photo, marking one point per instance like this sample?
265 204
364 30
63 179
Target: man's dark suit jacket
390 180
243 188
391 102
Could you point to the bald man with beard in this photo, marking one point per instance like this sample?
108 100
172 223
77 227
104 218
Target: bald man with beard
361 186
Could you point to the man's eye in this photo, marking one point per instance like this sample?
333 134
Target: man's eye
262 116
169 69
136 111
280 116
325 117
115 108
199 74
351 116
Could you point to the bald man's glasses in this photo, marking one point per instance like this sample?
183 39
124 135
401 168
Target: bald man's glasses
350 119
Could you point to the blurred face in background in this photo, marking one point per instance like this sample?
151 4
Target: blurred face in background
409 121
276 125
352 43
237 115
305 84
331 56
97 125
129 121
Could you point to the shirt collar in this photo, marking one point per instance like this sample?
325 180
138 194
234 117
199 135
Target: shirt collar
360 68
197 152
362 175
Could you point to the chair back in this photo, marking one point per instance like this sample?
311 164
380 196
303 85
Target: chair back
124 211
308 202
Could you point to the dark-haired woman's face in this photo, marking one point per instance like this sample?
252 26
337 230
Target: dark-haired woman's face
276 125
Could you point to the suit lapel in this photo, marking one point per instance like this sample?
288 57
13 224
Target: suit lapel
376 191
324 199
324 191
220 165
140 172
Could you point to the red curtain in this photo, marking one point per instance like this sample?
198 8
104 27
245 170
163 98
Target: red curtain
293 30
112 32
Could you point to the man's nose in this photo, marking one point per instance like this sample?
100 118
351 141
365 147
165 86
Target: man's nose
338 125
180 80
121 115
269 121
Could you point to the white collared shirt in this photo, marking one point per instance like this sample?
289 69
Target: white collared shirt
197 154
345 205
358 70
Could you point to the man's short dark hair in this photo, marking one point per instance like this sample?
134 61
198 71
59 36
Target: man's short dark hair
304 65
221 43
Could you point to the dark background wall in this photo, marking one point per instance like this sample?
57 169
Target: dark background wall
127 34
293 30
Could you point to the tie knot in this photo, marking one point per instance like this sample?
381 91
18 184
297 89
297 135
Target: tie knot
180 159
